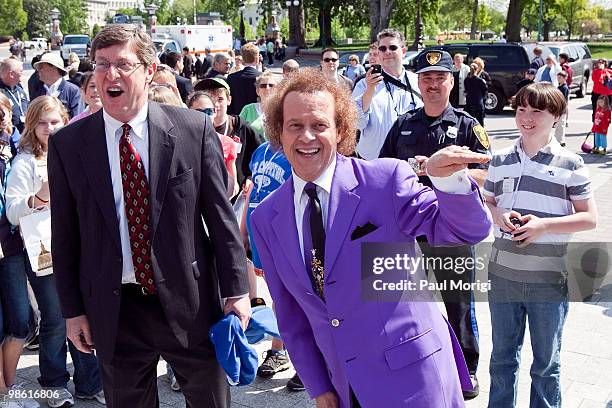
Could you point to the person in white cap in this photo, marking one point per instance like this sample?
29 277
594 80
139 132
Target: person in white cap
51 72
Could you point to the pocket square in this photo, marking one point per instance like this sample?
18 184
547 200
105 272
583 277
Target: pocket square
361 232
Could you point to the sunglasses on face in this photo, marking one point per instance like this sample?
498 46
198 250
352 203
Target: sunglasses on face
264 86
207 111
330 59
392 47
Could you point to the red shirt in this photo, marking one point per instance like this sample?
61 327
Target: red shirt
598 81
602 121
229 147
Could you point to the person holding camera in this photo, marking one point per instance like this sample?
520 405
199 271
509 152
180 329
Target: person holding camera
415 137
538 193
387 92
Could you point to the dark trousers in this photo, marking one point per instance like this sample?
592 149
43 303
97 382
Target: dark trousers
130 380
594 97
459 304
477 112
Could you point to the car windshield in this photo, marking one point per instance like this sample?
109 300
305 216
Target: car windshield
76 40
555 51
158 45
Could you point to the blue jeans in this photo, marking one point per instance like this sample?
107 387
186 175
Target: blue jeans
53 349
601 140
14 302
545 306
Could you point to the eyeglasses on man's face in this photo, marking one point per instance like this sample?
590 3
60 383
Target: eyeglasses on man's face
330 59
392 48
121 66
208 111
264 86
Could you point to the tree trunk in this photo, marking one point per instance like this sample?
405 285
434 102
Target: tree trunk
297 29
380 15
474 22
546 29
513 20
325 27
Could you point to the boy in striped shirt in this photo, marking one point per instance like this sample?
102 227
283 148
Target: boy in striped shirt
538 193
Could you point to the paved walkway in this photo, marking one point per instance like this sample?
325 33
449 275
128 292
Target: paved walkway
587 341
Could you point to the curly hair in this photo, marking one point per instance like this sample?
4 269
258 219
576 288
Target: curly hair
29 142
310 81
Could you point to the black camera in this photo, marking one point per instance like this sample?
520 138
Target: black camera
517 223
376 69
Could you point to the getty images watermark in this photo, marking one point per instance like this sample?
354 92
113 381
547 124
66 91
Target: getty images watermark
412 265
577 271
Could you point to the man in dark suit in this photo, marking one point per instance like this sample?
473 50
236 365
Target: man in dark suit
242 83
175 61
51 72
138 276
187 63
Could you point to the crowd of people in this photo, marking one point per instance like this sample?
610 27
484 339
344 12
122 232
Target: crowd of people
178 180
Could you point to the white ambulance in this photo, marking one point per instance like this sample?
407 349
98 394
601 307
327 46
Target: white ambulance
197 37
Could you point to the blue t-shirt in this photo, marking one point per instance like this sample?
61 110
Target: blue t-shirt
546 75
269 170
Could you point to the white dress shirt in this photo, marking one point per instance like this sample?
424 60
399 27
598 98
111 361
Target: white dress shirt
300 198
456 183
140 140
53 88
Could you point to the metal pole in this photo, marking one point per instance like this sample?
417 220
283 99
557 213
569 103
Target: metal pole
540 19
194 13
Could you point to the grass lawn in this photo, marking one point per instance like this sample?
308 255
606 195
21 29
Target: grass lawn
601 50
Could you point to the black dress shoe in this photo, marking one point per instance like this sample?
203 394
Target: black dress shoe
468 395
295 383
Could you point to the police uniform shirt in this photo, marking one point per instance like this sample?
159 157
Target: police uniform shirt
416 134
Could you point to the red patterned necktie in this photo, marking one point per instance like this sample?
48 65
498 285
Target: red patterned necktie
137 209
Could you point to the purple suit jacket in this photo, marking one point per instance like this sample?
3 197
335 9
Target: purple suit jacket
393 354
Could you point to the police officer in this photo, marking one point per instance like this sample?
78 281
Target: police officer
415 136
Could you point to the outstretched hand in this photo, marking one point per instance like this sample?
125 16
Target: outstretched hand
452 159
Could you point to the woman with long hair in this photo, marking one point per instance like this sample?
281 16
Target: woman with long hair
28 189
14 302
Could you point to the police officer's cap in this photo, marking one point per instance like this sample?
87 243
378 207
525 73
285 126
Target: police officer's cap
434 60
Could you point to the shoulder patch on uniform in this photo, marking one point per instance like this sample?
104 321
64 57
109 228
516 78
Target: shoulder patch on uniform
482 136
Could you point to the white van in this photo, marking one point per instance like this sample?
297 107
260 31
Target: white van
77 43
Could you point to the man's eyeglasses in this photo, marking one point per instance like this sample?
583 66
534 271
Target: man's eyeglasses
392 47
330 59
121 66
264 86
208 111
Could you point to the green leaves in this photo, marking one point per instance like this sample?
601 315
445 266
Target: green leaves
13 17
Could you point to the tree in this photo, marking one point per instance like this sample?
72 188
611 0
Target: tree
73 16
571 11
13 18
380 15
405 14
474 26
38 17
513 20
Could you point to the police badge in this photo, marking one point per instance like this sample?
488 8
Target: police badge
433 57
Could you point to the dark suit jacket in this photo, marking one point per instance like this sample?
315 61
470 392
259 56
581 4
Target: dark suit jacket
184 86
242 88
70 95
187 182
35 86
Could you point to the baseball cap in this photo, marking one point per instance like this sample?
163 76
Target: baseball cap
434 60
212 83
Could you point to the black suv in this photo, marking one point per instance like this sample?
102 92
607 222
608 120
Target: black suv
506 63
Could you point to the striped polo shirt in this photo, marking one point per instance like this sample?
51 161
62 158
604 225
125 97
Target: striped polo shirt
543 185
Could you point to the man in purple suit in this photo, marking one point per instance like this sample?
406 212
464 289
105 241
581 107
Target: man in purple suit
351 351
